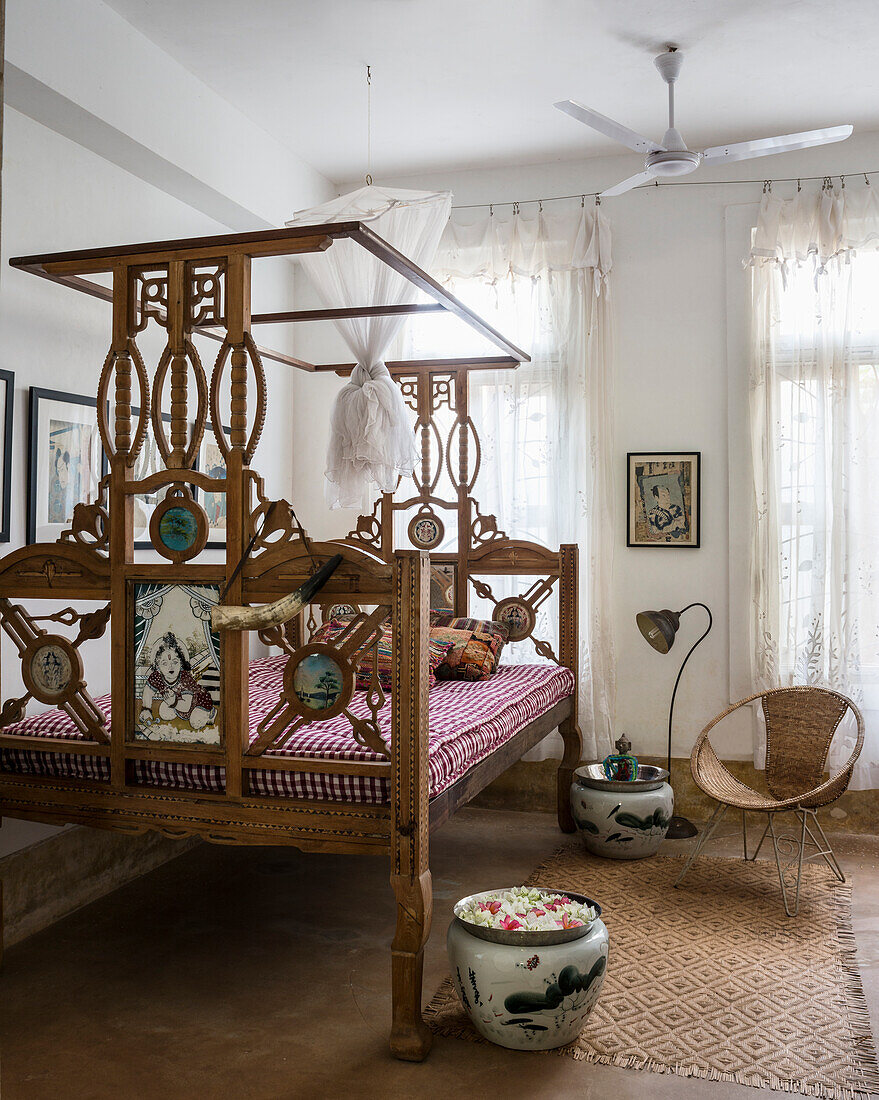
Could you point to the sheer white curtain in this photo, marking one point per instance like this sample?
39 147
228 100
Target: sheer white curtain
545 427
371 441
815 446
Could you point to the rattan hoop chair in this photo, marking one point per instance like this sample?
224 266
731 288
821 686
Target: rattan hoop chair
800 724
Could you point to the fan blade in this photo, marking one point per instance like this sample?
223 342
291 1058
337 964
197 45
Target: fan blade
762 147
608 127
627 185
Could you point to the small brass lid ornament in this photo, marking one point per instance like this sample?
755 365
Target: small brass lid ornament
621 766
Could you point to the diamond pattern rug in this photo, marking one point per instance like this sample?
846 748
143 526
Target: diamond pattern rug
712 980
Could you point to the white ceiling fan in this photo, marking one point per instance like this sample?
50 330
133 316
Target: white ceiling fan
672 157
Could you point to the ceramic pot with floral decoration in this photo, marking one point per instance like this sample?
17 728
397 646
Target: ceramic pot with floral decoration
531 972
622 819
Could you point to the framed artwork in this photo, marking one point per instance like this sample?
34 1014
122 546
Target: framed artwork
66 460
176 664
148 462
663 498
7 406
443 576
211 462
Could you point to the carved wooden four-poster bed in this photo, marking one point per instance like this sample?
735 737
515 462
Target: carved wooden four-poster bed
373 786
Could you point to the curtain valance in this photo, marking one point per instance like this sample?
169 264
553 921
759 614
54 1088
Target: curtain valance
816 227
494 248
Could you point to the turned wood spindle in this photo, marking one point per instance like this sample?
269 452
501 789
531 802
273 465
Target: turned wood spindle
461 395
425 453
238 423
123 402
179 382
177 332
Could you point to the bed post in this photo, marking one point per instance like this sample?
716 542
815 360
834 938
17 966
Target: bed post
410 874
569 646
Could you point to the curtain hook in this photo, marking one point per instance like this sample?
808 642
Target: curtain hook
540 206
583 200
598 200
767 187
491 210
799 187
369 125
842 183
866 179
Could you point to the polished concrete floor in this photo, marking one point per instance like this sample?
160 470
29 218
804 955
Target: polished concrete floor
255 973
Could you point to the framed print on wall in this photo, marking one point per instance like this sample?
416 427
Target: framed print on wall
663 498
211 462
66 460
7 406
149 461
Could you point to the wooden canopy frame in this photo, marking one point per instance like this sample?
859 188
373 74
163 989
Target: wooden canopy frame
68 268
202 285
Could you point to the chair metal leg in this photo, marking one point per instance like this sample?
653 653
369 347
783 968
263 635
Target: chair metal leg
707 833
760 845
826 852
744 837
787 908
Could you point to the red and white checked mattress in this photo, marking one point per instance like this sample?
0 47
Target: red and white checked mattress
467 722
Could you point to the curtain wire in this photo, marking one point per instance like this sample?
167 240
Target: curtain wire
826 184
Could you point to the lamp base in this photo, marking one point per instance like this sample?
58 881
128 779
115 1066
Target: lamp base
680 829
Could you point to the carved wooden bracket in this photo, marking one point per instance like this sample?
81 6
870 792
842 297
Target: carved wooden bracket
368 530
90 527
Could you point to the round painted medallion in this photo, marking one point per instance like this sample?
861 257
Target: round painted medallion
318 681
178 529
517 616
339 609
51 669
425 531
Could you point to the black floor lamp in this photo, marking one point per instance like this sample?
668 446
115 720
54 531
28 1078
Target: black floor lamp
660 628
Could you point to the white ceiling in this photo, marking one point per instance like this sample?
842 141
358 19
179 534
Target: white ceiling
471 83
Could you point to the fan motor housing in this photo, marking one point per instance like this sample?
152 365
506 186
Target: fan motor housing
672 162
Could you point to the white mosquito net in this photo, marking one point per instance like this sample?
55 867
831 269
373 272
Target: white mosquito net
371 438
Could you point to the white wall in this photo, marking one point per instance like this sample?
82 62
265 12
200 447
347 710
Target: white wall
79 67
671 276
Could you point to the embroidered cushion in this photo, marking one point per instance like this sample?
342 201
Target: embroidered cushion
473 654
331 630
483 626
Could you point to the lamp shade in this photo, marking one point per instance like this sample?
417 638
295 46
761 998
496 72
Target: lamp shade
659 628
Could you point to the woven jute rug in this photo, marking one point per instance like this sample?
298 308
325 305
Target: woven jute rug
712 980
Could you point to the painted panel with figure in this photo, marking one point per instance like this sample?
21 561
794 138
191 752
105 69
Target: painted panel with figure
663 499
177 664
